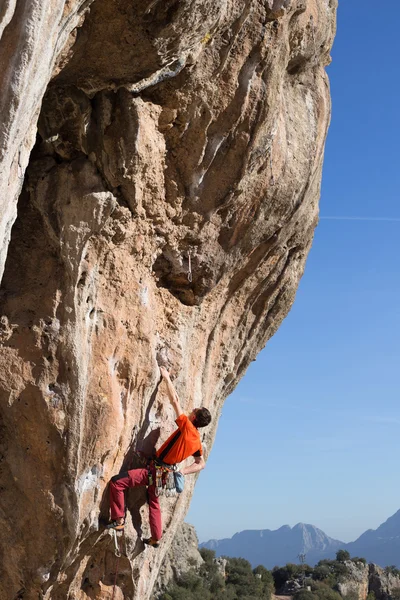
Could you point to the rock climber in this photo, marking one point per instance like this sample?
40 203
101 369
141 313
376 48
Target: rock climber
184 442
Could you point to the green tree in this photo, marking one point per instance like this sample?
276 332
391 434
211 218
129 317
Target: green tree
304 595
321 572
239 574
342 555
207 555
265 582
217 584
339 570
282 574
325 593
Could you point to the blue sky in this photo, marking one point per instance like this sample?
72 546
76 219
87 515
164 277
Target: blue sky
318 413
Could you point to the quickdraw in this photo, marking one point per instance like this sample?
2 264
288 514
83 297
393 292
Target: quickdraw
164 483
189 273
117 551
118 555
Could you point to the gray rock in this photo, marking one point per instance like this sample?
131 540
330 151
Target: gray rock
183 556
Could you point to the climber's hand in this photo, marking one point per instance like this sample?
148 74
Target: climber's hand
171 391
164 373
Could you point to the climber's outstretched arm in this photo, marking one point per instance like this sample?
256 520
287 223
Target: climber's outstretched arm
172 395
198 465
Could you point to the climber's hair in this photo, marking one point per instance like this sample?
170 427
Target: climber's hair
202 418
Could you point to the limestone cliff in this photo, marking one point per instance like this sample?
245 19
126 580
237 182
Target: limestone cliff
356 582
175 152
183 556
363 579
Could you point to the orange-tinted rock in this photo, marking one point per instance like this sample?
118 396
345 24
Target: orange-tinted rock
172 135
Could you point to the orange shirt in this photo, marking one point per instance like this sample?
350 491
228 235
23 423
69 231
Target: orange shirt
184 442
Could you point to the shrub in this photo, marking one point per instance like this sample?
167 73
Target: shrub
207 555
304 595
190 581
317 585
282 574
321 572
326 593
217 584
339 569
392 570
351 595
265 583
179 593
342 555
357 559
239 574
325 561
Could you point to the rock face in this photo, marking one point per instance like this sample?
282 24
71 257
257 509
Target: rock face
383 583
357 580
183 556
363 579
168 207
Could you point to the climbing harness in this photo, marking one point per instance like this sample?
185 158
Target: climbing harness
168 480
189 274
164 483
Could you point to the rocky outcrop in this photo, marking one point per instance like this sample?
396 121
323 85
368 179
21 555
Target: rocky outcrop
359 581
362 579
383 583
168 207
356 582
182 557
33 36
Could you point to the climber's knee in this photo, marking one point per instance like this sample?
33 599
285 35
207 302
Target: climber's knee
119 476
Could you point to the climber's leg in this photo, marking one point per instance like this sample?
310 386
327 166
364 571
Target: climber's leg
119 483
154 516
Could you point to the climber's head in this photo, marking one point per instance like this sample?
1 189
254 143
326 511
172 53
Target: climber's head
200 417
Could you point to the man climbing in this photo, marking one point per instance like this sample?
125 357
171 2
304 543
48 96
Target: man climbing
184 442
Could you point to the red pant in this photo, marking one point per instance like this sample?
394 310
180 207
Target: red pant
119 483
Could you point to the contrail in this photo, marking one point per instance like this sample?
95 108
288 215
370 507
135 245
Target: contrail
392 219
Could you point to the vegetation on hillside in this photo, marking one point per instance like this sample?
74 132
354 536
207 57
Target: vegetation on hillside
241 582
320 582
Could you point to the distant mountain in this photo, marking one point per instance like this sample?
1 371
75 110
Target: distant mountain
270 548
380 546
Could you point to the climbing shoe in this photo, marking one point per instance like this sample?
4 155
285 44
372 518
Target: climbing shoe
115 525
151 542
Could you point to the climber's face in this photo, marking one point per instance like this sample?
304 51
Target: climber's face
192 415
